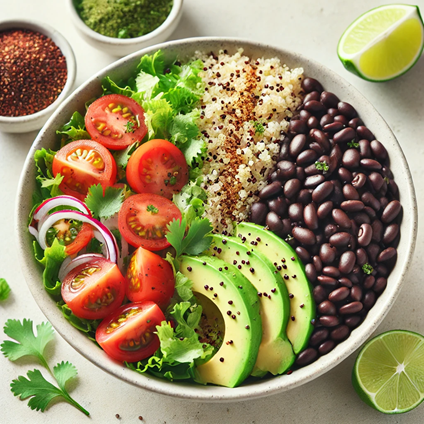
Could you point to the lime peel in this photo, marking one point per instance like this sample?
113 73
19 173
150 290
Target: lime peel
383 43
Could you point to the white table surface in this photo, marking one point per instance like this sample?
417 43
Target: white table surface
309 27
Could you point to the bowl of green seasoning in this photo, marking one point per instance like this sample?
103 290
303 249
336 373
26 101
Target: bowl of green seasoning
121 27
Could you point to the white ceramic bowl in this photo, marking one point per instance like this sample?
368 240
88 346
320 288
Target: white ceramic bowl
123 46
35 121
184 49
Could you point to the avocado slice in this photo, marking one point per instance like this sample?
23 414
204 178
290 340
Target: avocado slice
275 352
238 302
302 304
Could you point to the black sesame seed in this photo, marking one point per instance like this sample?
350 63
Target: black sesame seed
252 270
221 283
286 277
221 359
233 316
247 327
189 268
293 318
228 312
291 295
292 258
230 302
302 305
206 286
273 290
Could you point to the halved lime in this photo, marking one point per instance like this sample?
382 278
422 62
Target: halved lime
389 372
383 43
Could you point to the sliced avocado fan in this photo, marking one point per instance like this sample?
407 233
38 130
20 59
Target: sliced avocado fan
238 302
275 351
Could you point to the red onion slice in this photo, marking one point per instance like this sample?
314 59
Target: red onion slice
69 264
101 232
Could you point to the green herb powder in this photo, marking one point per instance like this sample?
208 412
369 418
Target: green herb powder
124 18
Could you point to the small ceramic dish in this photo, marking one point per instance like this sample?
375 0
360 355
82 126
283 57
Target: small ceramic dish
122 46
35 121
184 50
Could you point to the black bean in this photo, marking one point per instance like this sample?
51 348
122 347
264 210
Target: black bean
347 262
341 219
298 126
379 150
328 99
312 122
314 180
304 196
330 229
387 254
370 200
369 299
271 190
320 137
326 119
386 172
324 209
369 282
364 149
307 356
340 240
371 164
287 168
327 281
340 333
315 107
376 180
333 111
382 270
356 293
350 192
310 272
373 250
342 119
352 205
361 256
304 114
327 253
339 294
287 226
313 95
306 157
274 223
316 260
380 285
319 294
292 187
300 173
278 205
331 271
303 254
364 132
355 123
297 144
304 236
322 191
377 230
351 158
384 201
284 150
347 110
394 189
334 127
365 235
361 218
345 175
326 347
311 84
370 212
310 216
317 148
258 213
312 169
277 175
351 308
390 212
329 321
318 336
327 308
295 211
352 321
359 180
390 233
345 282
345 135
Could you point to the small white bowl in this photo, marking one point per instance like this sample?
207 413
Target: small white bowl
21 124
123 46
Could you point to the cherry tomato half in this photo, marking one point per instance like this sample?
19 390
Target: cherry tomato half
83 163
72 234
149 277
94 289
128 333
143 218
116 121
157 167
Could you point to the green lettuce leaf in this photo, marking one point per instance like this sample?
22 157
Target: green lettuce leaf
74 129
47 184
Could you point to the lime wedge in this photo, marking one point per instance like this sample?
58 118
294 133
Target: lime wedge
389 372
383 43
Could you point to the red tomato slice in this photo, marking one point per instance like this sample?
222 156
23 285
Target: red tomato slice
157 167
73 237
83 163
143 218
95 289
116 121
149 277
128 333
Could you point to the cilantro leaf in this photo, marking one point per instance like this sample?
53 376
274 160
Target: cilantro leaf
258 127
367 269
152 209
184 127
104 205
353 144
193 150
28 344
322 166
196 241
145 84
74 129
4 289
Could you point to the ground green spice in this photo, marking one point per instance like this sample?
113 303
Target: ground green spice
124 18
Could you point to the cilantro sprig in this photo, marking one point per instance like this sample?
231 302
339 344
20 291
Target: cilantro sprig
104 205
4 289
322 166
40 391
152 209
353 144
258 127
367 269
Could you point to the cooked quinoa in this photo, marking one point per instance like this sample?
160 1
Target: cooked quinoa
245 112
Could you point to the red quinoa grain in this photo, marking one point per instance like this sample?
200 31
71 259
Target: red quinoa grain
32 72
